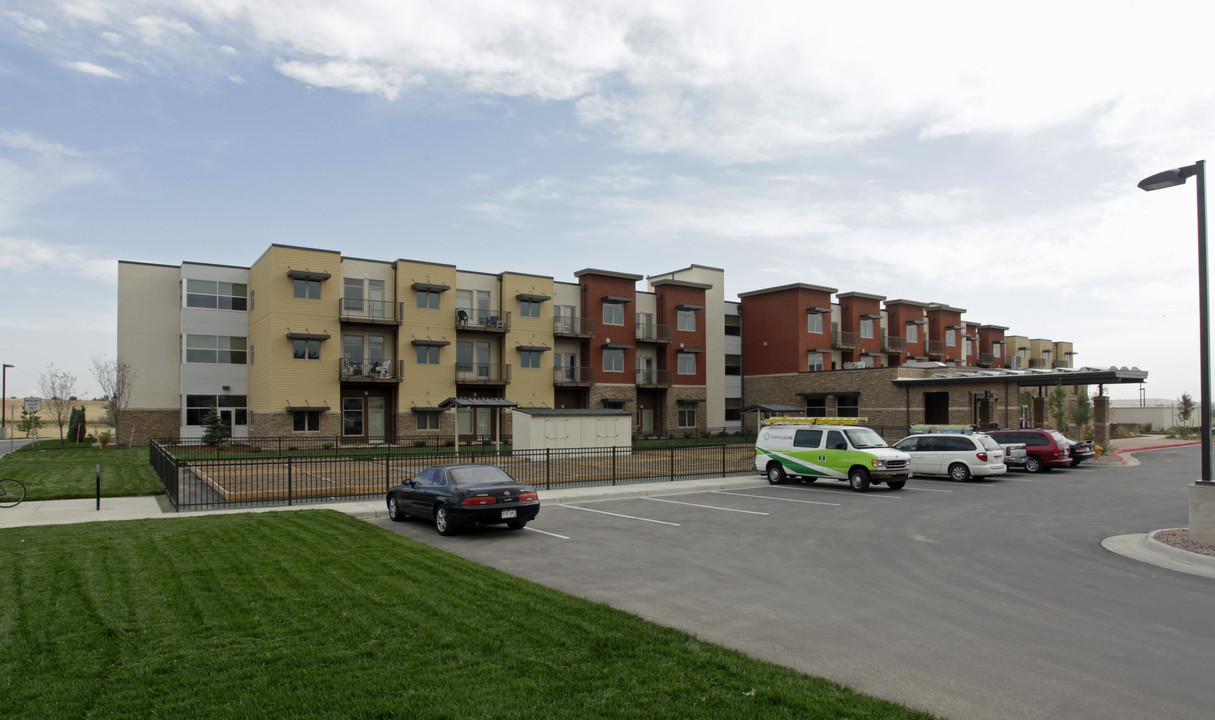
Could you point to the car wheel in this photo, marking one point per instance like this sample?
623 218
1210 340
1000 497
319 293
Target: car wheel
896 484
516 524
394 509
1075 462
1033 464
443 521
858 478
776 473
958 472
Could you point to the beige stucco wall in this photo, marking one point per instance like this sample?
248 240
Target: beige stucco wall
426 385
149 333
529 387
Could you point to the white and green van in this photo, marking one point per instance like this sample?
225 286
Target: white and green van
810 448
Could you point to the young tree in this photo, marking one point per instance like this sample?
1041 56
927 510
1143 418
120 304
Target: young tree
1056 403
117 379
1082 413
76 425
29 424
215 429
58 388
1185 408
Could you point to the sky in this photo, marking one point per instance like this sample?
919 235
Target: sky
980 155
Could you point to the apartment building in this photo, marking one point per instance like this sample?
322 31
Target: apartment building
307 341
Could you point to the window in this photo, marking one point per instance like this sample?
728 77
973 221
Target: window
733 409
529 359
687 415
686 320
475 304
734 325
734 364
951 338
807 438
613 314
866 328
687 363
428 355
848 405
306 349
352 416
427 420
814 322
816 406
529 308
969 348
997 349
428 300
232 408
815 362
306 421
913 333
307 289
217 295
215 349
613 360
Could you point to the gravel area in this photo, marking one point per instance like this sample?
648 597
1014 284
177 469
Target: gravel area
1180 539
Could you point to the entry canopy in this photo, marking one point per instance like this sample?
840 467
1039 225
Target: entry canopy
773 407
1034 377
460 402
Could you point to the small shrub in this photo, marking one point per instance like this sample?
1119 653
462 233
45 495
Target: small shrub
255 448
1147 427
327 446
449 442
293 448
103 437
419 443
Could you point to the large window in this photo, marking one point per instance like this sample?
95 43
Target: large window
428 300
997 350
734 325
529 359
529 308
687 415
814 322
951 338
913 333
231 408
733 409
816 406
306 349
352 416
613 360
428 355
219 349
848 404
734 364
687 363
866 328
427 420
307 289
306 421
686 320
613 313
814 361
214 294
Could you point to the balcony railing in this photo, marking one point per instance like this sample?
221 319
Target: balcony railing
891 344
482 373
648 332
384 312
367 370
1037 363
654 378
986 359
841 339
483 320
573 376
936 348
573 327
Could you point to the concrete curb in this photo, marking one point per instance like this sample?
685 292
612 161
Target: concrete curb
1142 547
1132 461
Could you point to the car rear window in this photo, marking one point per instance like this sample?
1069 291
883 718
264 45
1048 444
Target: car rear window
987 442
478 475
959 444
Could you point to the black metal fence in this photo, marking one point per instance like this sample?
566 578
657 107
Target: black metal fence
241 480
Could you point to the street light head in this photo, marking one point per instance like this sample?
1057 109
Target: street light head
1168 178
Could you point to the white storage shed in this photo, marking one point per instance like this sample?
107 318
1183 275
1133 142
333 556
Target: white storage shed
538 428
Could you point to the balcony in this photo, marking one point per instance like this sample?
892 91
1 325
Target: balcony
369 371
375 312
891 344
841 340
936 349
482 374
1037 363
654 378
482 320
648 332
987 359
574 376
573 327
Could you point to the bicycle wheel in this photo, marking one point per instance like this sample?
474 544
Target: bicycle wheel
12 492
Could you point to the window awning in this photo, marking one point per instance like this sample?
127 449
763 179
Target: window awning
430 343
616 299
307 408
689 350
818 310
616 346
532 297
430 287
426 409
460 402
307 336
537 348
308 275
685 306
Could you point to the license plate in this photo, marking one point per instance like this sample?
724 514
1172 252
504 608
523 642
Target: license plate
507 514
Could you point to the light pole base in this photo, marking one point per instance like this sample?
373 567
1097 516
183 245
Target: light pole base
1202 512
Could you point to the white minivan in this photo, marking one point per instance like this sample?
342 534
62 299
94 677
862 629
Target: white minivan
954 455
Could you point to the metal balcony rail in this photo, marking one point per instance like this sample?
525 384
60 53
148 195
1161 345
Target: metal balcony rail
893 344
936 347
651 332
842 339
577 327
472 373
374 310
654 377
987 359
368 369
573 375
482 319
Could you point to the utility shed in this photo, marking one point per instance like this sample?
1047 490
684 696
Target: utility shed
538 428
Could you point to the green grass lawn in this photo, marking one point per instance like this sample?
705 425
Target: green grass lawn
313 613
52 471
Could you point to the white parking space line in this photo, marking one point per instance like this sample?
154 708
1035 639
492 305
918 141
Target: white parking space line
630 517
864 494
769 497
920 489
951 482
542 532
710 507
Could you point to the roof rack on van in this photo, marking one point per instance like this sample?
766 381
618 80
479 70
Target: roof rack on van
920 429
815 420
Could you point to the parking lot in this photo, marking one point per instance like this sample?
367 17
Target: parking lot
985 599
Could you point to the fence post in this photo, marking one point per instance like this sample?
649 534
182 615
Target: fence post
613 464
672 463
548 468
288 480
98 487
723 458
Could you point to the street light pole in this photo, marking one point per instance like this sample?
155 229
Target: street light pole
1170 178
3 396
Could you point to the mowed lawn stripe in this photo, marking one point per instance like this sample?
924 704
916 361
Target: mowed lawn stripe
313 613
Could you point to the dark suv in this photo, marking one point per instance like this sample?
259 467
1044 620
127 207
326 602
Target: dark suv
1046 448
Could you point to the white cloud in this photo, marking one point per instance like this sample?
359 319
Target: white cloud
350 76
89 68
25 22
153 30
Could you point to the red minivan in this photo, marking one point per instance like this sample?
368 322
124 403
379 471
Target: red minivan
1046 449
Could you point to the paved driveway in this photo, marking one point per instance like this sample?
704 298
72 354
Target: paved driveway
978 600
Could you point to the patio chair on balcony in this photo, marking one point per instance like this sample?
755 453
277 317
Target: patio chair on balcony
461 318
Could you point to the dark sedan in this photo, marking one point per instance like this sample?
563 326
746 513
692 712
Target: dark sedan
458 496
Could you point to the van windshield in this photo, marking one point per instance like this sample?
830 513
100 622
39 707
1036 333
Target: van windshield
862 438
